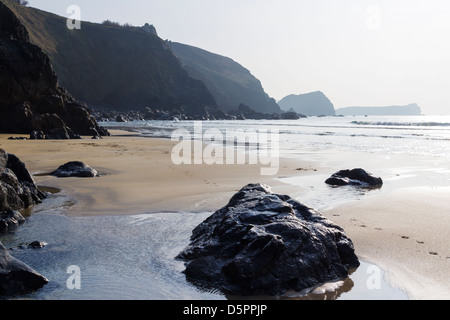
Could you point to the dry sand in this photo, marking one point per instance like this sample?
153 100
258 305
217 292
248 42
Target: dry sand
406 232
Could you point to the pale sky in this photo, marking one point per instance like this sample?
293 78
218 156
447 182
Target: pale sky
358 52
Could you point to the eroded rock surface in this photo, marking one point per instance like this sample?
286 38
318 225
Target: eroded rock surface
265 243
355 177
75 169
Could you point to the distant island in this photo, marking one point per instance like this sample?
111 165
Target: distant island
309 104
408 110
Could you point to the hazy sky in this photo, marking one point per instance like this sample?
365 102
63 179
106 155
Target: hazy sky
359 53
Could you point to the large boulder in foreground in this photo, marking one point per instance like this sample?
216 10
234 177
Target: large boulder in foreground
16 277
263 243
355 177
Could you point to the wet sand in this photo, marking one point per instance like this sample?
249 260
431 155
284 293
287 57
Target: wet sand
138 175
404 231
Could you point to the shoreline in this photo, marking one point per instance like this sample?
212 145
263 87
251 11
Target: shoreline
139 178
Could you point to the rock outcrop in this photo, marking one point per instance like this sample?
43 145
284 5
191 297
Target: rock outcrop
10 220
150 29
112 67
244 112
30 97
16 277
75 169
309 104
229 82
355 177
265 243
18 189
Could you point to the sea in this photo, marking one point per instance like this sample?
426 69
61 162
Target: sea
133 257
418 135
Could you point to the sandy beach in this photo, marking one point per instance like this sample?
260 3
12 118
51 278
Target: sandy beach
404 231
138 175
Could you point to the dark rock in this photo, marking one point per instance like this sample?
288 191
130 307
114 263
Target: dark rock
265 243
30 97
16 277
19 168
120 118
10 220
37 135
290 116
18 189
3 158
355 177
229 82
75 169
150 29
17 138
37 245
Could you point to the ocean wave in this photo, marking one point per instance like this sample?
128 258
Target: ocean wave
398 124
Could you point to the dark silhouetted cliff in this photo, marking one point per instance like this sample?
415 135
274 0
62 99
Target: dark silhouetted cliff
30 96
114 67
230 83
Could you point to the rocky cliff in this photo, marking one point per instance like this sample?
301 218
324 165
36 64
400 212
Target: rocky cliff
229 82
114 67
309 104
30 96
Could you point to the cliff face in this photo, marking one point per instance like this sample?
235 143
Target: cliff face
229 82
113 67
309 104
30 98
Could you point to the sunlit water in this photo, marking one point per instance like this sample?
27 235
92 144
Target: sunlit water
133 257
418 135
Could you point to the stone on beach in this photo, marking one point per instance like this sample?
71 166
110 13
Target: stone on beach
16 277
265 243
10 220
355 177
18 189
75 169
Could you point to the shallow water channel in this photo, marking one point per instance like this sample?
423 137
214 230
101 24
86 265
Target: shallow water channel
132 258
